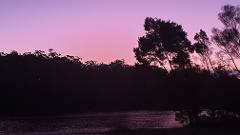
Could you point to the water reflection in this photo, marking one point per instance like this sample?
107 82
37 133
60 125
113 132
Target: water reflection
91 122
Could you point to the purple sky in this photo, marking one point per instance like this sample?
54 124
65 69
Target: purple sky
101 30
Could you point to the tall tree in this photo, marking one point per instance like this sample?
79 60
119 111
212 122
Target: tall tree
202 47
228 39
165 44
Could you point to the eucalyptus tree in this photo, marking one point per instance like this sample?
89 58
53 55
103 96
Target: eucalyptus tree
164 44
202 47
228 38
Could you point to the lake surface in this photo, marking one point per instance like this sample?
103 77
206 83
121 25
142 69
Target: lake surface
89 123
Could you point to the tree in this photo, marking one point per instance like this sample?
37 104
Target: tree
228 39
40 53
53 54
118 65
165 44
202 47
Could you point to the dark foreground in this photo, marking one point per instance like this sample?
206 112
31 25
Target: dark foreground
88 123
181 131
176 131
117 123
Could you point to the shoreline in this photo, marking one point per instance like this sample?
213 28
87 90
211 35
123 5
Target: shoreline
173 131
180 131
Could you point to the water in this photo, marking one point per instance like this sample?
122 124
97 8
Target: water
90 123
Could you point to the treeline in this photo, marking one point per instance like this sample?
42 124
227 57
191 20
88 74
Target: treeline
211 94
198 79
41 83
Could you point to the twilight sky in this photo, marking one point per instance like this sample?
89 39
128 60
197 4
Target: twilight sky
101 30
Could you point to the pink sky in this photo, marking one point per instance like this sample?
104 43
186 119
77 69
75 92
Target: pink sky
101 30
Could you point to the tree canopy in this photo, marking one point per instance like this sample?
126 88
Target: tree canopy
165 44
39 82
202 47
228 38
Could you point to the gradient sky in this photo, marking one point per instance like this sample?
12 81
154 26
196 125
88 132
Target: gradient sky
101 30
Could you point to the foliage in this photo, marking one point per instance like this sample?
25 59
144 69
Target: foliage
165 44
165 77
228 39
202 47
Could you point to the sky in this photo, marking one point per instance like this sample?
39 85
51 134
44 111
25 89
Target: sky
99 30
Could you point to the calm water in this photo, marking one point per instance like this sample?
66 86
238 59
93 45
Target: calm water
89 123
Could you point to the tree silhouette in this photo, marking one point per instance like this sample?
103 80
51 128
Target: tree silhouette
49 83
117 65
228 39
202 47
165 44
53 54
